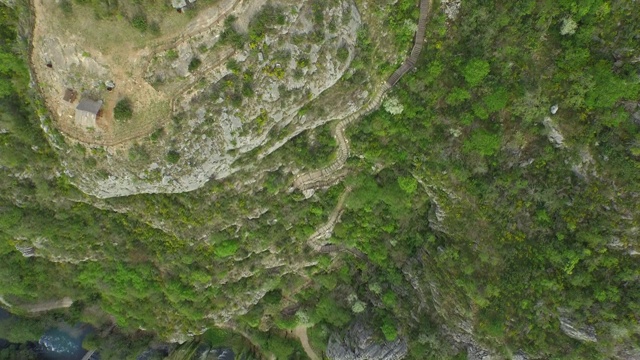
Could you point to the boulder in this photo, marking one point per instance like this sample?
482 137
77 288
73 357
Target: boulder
359 343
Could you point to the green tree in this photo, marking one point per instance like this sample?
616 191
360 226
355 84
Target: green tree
475 71
173 156
226 248
123 110
483 143
408 184
390 332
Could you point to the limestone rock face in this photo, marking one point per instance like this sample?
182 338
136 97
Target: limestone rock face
582 333
554 135
359 344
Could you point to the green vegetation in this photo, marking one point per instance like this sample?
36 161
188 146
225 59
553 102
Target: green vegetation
173 156
459 210
194 64
123 110
139 21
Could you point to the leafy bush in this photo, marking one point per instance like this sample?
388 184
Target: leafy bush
172 55
173 156
408 184
482 143
226 248
390 332
457 96
194 64
123 110
139 21
342 54
475 71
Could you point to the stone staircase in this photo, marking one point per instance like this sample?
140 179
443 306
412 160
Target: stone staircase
328 176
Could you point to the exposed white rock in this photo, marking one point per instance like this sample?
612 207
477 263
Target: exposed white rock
179 4
554 109
582 333
554 135
27 251
451 8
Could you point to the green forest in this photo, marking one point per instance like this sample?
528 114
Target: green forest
494 194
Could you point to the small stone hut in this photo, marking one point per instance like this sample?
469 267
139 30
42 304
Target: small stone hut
69 95
87 111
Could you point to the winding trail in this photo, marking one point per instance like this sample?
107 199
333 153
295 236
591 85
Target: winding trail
301 333
327 176
315 241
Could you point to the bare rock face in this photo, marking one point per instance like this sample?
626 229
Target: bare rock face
359 344
554 135
179 4
574 331
27 251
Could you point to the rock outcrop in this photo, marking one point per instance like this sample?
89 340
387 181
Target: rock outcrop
359 343
575 331
554 135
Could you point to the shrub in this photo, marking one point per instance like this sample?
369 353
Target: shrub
497 100
569 26
483 143
234 66
154 27
226 248
457 96
66 7
408 184
475 71
194 64
389 299
342 54
389 331
139 21
173 156
358 307
172 55
123 110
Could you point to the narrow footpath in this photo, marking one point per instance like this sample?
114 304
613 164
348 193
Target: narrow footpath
329 175
301 333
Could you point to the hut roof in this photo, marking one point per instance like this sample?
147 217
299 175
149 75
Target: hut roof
89 105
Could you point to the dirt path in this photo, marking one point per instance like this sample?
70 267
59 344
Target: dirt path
49 305
329 175
301 333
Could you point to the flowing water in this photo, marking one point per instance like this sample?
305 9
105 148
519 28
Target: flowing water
64 342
